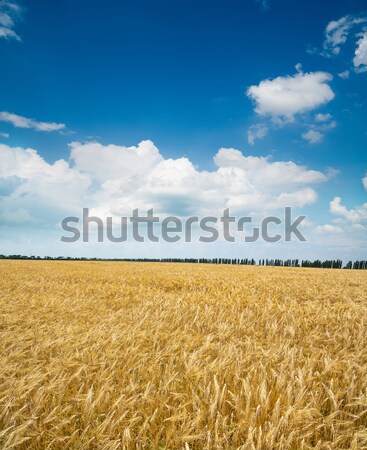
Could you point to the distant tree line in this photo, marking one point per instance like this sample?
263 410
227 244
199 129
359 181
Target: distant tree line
327 264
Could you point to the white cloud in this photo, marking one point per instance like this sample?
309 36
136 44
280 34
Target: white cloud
5 20
284 97
348 229
9 14
328 229
24 122
258 131
336 35
115 162
113 180
37 182
337 32
360 58
364 181
313 136
300 198
344 75
355 215
261 171
323 117
327 126
4 135
322 124
176 186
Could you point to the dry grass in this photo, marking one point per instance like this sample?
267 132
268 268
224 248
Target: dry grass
169 356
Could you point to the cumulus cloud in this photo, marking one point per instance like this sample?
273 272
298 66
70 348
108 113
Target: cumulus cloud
45 186
284 97
113 180
4 135
316 131
313 136
265 172
337 31
8 184
360 58
24 122
9 13
336 35
354 215
328 229
348 228
115 161
258 131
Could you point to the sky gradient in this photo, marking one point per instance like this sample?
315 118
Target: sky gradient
188 108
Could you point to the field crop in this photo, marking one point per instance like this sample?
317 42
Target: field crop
111 355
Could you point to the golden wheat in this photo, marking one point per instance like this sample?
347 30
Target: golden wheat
107 355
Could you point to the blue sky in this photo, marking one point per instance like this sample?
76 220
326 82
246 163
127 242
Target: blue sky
280 80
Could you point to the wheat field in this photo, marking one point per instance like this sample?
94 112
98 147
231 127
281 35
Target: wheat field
113 355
